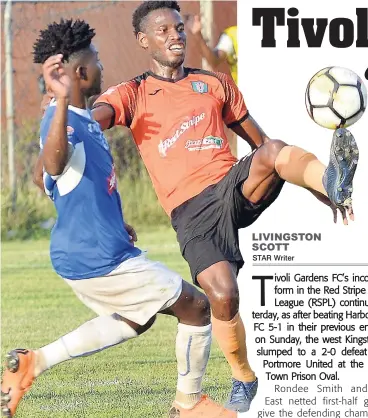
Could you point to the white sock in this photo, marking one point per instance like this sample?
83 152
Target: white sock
93 336
193 346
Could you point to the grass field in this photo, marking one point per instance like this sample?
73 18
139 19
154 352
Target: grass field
133 380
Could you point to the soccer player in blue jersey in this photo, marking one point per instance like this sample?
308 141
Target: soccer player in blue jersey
90 246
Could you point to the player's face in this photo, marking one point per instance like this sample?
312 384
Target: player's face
93 80
165 38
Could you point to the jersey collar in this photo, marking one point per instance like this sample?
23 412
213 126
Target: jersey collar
82 112
170 80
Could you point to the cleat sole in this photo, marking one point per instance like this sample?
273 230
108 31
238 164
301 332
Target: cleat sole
339 174
174 413
5 412
12 361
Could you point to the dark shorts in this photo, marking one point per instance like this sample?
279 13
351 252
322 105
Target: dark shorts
207 225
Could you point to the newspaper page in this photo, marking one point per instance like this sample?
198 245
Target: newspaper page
304 284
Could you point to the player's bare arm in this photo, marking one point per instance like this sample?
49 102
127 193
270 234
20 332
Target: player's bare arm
38 173
251 132
103 114
213 56
55 152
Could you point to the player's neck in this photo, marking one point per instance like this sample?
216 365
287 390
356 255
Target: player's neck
77 99
167 72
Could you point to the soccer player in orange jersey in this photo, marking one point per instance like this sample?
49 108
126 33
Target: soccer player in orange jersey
177 118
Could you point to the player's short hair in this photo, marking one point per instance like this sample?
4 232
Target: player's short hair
147 7
67 37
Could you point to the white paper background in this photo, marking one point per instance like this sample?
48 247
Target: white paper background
273 82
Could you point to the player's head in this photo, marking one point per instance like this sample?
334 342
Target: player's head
159 29
72 39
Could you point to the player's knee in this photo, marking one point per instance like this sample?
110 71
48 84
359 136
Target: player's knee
225 303
201 308
192 307
219 283
270 152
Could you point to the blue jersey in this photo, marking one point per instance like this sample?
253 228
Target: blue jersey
89 238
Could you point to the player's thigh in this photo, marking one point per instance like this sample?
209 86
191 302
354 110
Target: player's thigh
249 188
262 178
202 252
137 290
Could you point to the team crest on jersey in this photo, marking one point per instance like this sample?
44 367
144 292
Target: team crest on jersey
199 87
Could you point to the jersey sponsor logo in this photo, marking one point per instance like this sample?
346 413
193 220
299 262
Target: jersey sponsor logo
111 181
209 142
199 87
164 145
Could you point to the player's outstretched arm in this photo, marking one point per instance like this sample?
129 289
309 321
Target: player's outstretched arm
55 151
103 114
116 106
251 132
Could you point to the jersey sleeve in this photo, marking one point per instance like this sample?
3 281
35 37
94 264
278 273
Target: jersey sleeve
46 124
234 109
122 99
48 180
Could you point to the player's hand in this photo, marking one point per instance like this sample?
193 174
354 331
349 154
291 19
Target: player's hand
56 78
194 25
346 212
132 234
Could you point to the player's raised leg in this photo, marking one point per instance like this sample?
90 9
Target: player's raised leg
275 161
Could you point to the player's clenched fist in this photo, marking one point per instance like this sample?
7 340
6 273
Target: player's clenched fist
56 78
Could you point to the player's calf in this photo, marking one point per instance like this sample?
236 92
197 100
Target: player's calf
193 344
219 282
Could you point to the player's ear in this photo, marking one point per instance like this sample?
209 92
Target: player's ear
142 40
81 72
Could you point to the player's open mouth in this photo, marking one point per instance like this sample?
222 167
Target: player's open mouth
177 48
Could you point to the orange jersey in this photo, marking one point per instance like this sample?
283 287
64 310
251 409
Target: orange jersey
178 127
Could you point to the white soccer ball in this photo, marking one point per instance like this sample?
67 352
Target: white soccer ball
336 97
